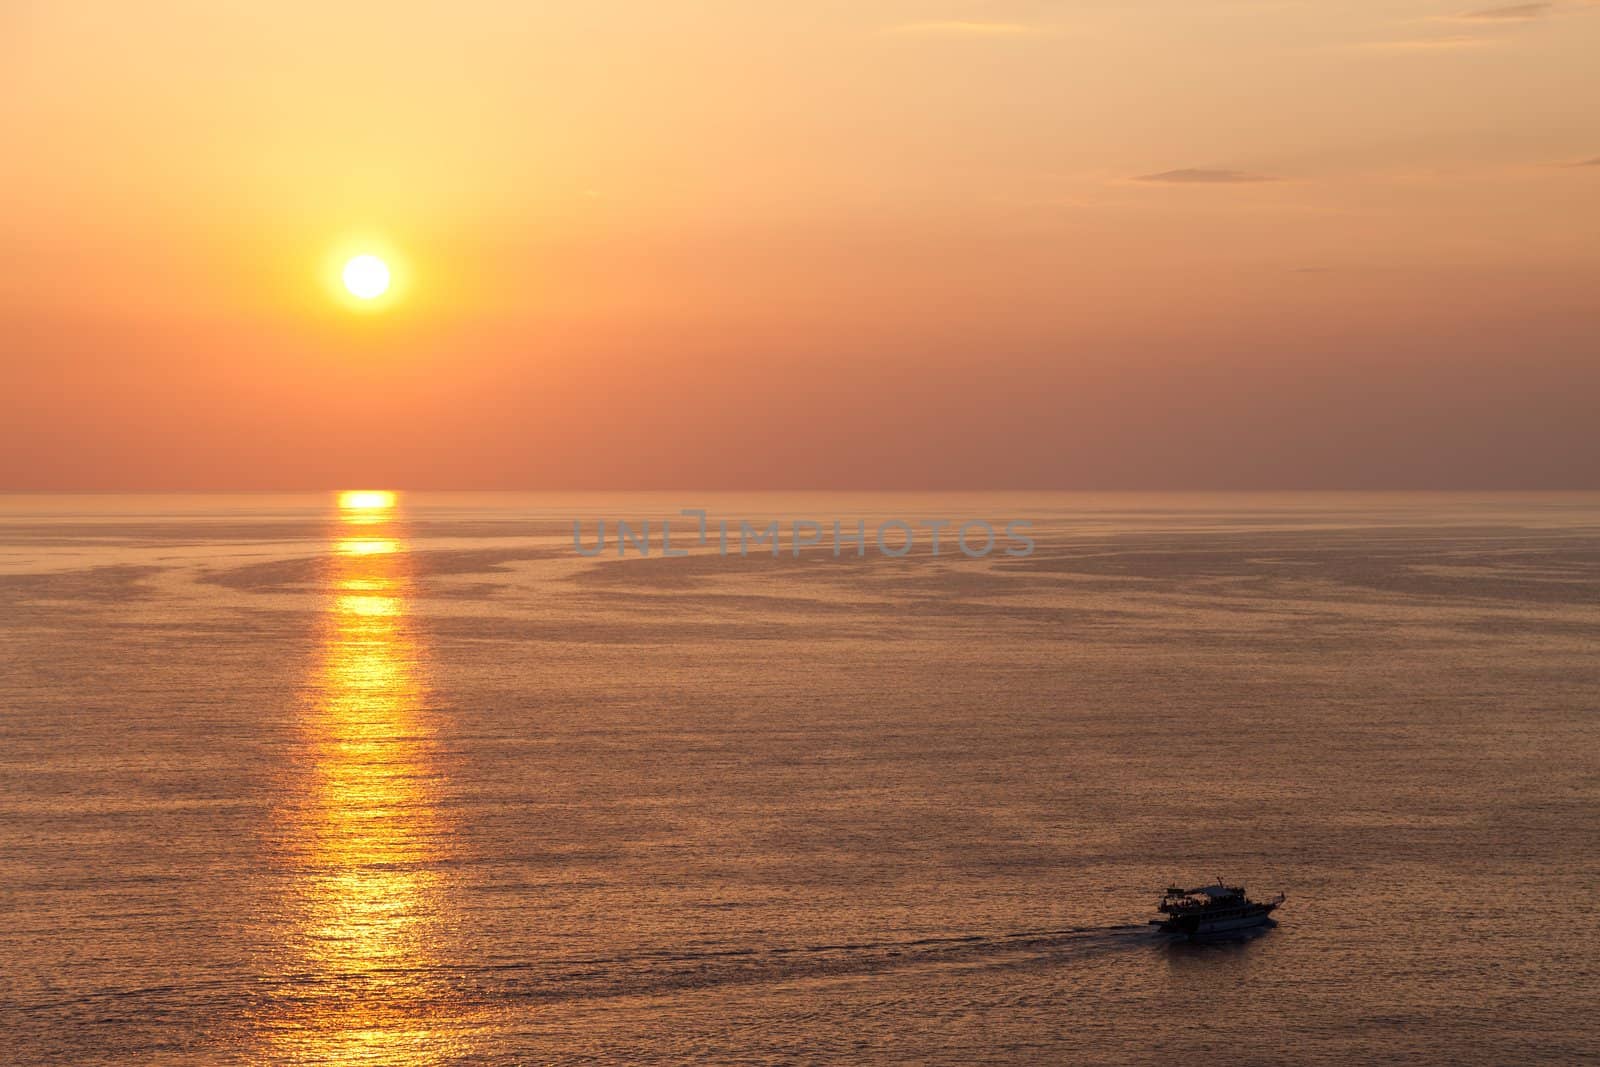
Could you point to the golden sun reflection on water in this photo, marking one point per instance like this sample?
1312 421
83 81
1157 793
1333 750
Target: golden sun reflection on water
367 500
366 546
366 835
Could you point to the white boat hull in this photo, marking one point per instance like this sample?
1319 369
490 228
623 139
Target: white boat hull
1239 924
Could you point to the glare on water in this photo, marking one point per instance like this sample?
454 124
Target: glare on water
365 827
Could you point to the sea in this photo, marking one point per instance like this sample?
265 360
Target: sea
416 779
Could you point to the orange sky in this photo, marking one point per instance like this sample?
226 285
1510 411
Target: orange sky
1111 243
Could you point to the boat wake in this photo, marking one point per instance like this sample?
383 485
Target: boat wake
667 971
578 977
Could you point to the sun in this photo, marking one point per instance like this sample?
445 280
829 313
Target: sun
366 276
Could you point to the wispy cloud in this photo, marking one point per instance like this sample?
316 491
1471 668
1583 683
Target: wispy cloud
1512 13
1203 176
1429 44
1488 26
967 28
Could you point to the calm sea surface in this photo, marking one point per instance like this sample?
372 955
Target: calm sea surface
282 782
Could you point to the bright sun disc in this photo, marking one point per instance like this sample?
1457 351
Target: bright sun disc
367 277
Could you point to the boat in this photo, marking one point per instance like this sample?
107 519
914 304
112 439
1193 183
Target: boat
1212 912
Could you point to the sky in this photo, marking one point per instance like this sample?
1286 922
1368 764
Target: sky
838 244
